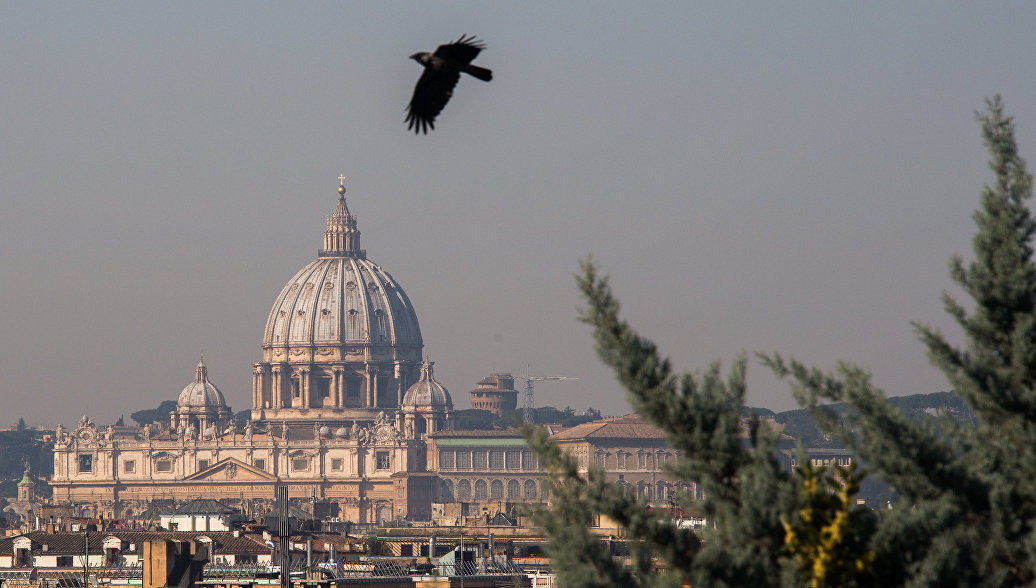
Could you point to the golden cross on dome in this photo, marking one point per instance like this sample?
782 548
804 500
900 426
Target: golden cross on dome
341 179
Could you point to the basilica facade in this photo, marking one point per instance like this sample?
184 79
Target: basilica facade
342 404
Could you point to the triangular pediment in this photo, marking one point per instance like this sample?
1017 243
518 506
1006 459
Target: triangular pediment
231 470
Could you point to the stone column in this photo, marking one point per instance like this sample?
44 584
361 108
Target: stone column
276 390
400 384
257 387
370 396
339 388
374 379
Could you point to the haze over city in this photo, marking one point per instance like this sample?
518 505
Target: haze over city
754 177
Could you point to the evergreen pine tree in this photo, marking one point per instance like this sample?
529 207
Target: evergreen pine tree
750 495
966 493
967 496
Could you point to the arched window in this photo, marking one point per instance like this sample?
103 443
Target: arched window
530 489
464 490
447 490
496 489
514 490
480 490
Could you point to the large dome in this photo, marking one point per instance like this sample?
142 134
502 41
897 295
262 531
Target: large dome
335 300
342 341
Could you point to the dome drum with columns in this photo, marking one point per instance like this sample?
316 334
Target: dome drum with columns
342 341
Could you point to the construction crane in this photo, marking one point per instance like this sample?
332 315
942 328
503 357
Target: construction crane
529 397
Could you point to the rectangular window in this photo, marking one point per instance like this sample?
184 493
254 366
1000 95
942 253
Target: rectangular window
203 464
300 464
352 391
260 463
383 461
64 561
129 466
479 459
620 460
599 459
496 460
445 460
514 460
163 465
86 463
528 460
336 464
642 461
463 460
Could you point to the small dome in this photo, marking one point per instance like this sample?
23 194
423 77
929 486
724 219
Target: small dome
201 392
324 431
427 391
342 432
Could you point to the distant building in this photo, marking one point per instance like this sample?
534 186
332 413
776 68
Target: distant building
496 394
341 404
201 515
65 550
492 470
631 451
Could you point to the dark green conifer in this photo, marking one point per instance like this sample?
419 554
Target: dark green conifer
965 493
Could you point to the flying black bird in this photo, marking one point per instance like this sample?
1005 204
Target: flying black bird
441 72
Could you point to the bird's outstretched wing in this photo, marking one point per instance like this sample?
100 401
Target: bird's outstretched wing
463 50
431 94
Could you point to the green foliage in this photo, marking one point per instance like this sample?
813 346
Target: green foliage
966 508
242 417
828 537
376 546
749 493
473 419
19 447
566 417
967 495
160 414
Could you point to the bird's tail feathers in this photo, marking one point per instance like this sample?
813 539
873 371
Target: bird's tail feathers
479 72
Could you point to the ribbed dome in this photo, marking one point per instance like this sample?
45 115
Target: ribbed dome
201 392
427 391
335 300
342 297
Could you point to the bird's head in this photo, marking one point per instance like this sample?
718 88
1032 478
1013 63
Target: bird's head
420 57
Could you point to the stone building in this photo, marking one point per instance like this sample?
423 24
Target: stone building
630 450
341 405
483 472
496 394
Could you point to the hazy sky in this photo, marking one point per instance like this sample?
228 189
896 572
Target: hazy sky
754 176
